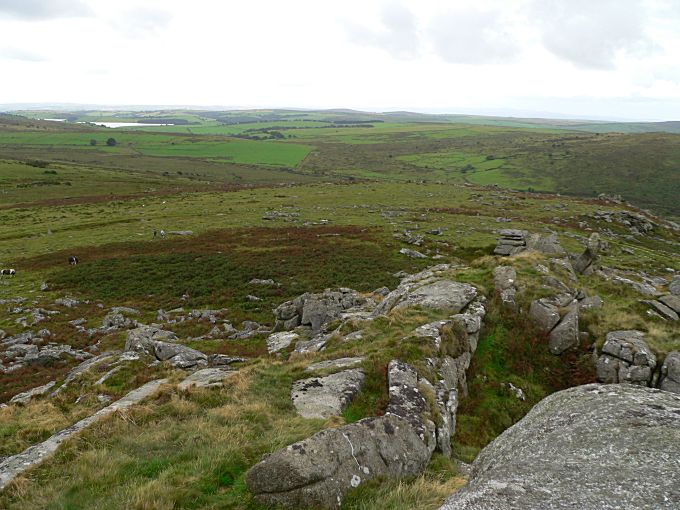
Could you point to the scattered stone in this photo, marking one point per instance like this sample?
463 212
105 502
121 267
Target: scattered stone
25 397
544 314
590 303
671 301
316 310
431 289
322 397
560 455
511 242
250 297
223 359
661 309
278 341
626 358
642 288
588 261
267 282
205 378
67 302
674 287
44 287
316 344
334 363
149 339
179 356
565 335
412 253
670 373
548 244
518 392
382 291
504 277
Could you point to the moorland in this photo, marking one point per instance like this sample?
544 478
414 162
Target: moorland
307 200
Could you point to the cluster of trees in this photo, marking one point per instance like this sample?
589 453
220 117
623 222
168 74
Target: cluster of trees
111 142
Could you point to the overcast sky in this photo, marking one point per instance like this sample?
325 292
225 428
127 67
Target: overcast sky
616 59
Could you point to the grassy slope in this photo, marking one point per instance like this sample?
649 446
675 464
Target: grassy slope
190 450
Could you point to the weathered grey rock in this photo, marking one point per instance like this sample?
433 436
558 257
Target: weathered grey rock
13 466
315 344
626 358
125 310
564 336
83 368
142 338
589 447
148 339
670 373
315 310
641 287
412 253
322 397
504 277
674 287
432 288
267 283
25 397
658 309
511 242
278 341
179 356
544 314
662 310
590 303
115 320
334 363
672 302
552 282
588 261
205 378
442 295
320 470
545 244
67 302
223 359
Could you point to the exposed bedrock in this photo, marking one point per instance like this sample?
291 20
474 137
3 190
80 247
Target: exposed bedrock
589 447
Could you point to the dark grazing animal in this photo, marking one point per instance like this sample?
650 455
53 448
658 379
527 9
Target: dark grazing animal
73 260
8 272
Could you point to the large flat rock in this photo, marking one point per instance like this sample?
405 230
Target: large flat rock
322 397
590 447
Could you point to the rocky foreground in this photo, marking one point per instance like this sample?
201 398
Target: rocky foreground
599 447
607 446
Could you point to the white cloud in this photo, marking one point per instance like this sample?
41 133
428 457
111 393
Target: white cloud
44 9
397 32
22 54
141 22
472 35
592 34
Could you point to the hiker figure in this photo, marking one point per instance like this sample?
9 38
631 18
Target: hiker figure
154 234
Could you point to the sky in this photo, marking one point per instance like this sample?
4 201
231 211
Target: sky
591 59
